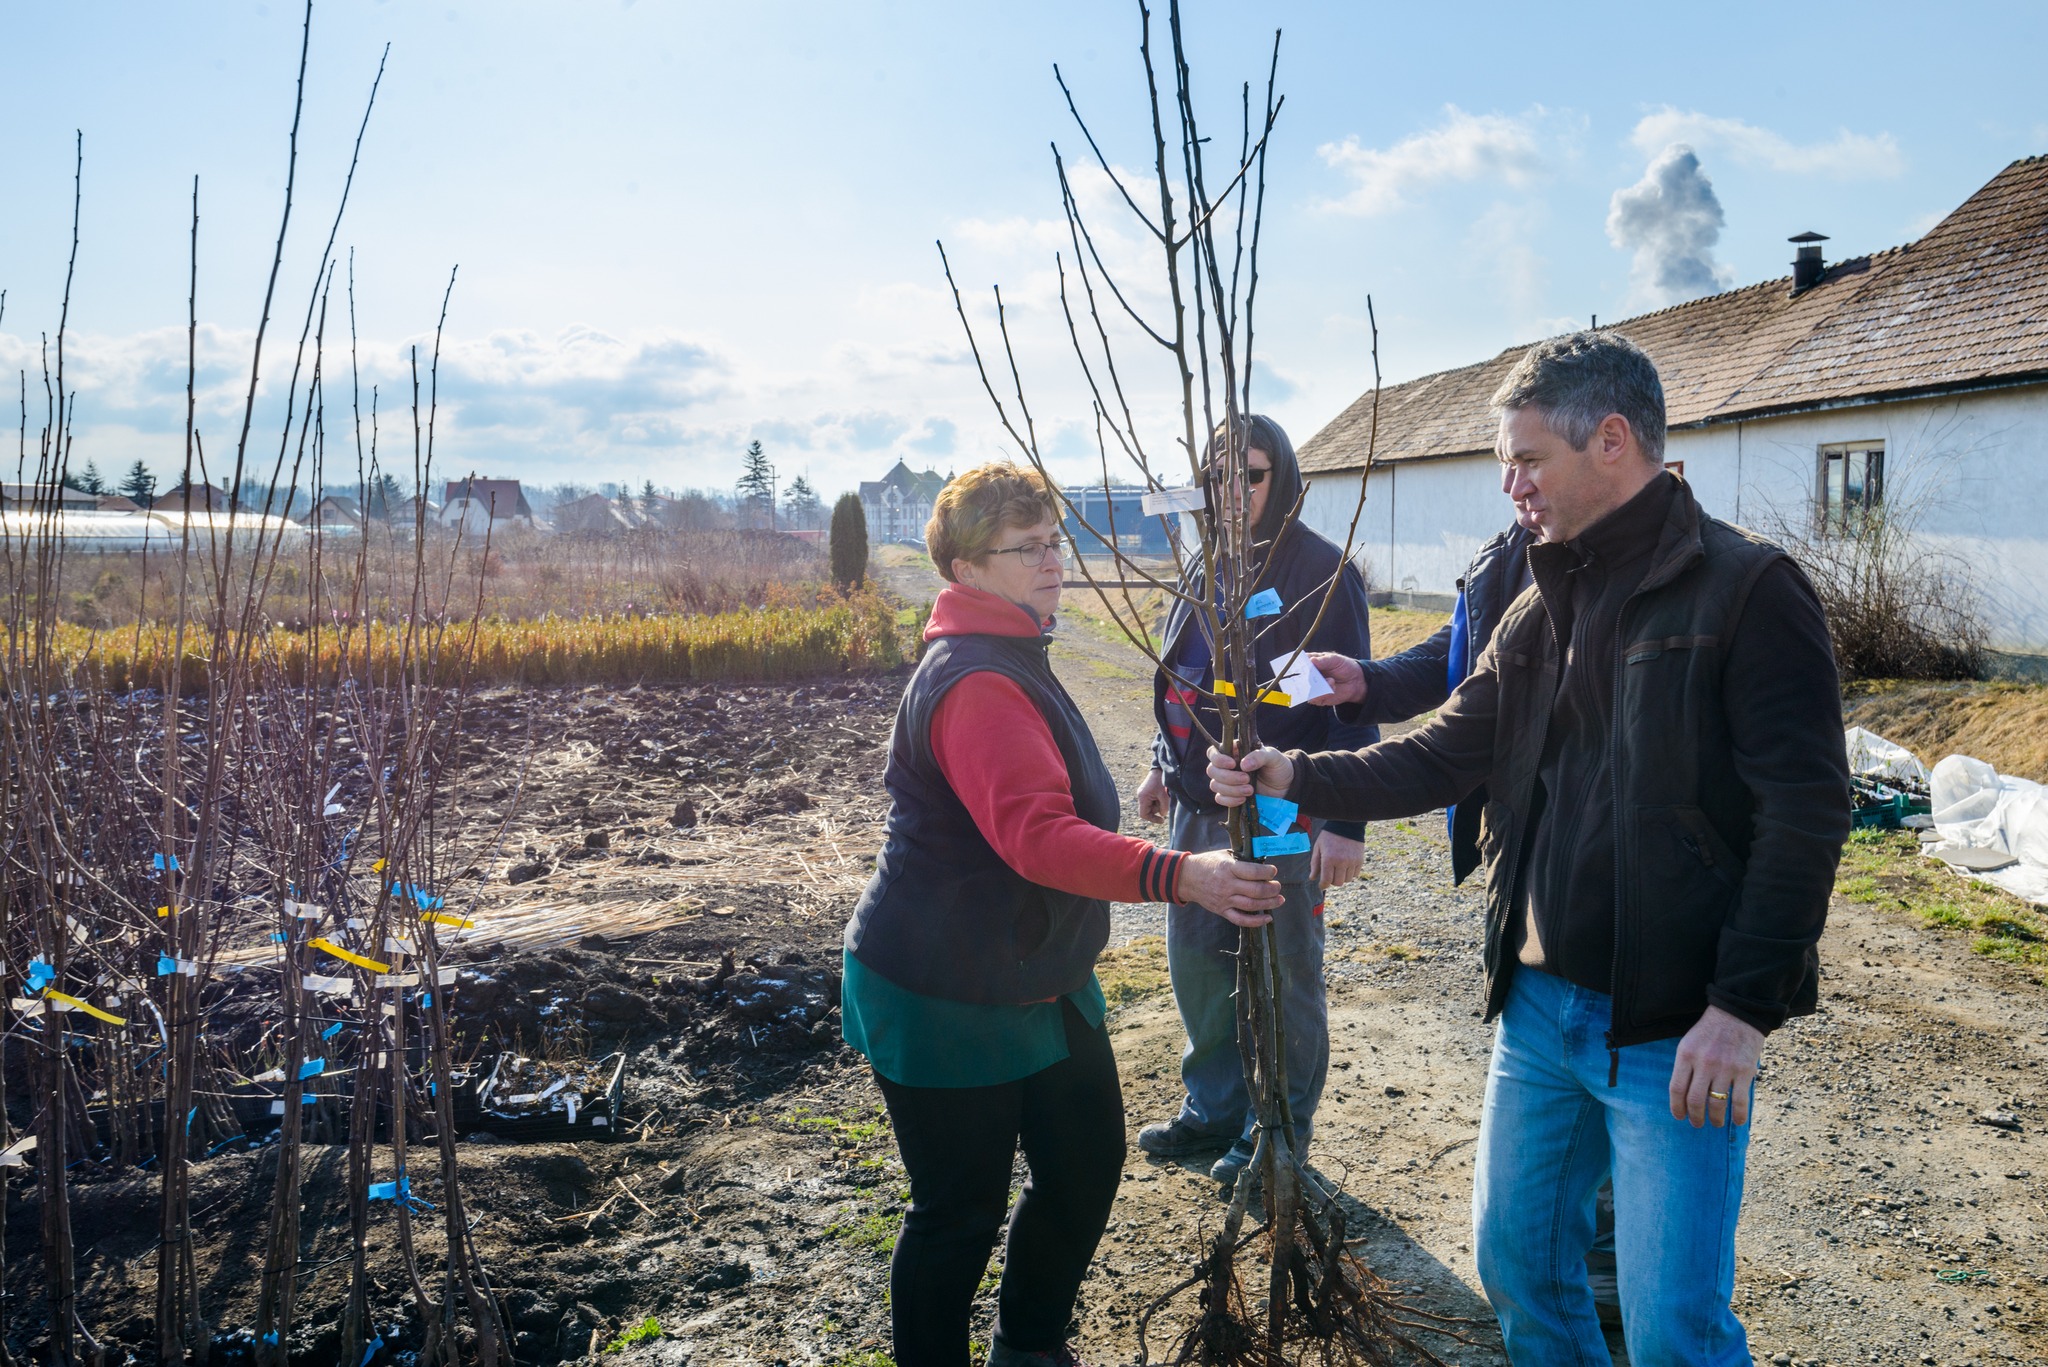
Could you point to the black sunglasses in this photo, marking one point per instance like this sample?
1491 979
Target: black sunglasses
1252 476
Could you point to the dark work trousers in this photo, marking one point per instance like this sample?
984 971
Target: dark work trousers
1201 958
959 1145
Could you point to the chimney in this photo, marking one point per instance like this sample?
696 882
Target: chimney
1807 267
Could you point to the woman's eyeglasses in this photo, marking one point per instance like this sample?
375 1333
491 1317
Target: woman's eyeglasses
1033 553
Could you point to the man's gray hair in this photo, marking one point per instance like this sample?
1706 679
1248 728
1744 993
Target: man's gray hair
1576 380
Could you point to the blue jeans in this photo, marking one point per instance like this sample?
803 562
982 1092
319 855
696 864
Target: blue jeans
1551 1129
1201 960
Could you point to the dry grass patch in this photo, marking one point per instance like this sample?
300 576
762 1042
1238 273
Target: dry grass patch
2003 724
1396 629
1134 971
865 632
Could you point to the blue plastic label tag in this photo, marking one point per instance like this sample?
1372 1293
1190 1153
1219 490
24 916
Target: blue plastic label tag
1264 603
1277 814
1294 842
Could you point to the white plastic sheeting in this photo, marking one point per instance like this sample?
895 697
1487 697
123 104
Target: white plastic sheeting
157 529
1978 808
1872 756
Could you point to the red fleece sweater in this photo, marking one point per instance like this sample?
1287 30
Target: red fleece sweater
999 756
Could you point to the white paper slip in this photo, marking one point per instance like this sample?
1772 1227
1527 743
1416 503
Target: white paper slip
1303 682
1161 502
13 1156
334 987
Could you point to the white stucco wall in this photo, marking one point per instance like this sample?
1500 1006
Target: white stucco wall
1970 471
1422 520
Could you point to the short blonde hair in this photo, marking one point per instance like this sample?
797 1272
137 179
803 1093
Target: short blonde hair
973 509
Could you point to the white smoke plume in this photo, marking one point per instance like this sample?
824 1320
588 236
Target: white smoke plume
1671 220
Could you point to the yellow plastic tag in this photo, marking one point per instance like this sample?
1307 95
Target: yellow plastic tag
349 956
447 918
66 999
1271 695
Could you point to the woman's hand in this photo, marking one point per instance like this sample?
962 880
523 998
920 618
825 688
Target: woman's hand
1152 797
1240 892
1231 779
1335 860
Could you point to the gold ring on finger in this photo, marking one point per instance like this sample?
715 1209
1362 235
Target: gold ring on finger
1718 1096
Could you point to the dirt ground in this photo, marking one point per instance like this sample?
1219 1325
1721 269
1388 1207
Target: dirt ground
750 1199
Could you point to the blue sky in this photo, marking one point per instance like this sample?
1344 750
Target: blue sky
683 226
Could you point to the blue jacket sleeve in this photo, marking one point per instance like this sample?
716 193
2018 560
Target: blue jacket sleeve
1405 685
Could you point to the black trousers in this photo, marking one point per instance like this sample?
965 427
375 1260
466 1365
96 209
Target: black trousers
959 1145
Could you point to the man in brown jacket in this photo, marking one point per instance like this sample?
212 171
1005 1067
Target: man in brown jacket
1657 724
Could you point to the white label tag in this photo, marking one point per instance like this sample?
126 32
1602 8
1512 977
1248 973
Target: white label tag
1303 683
1163 502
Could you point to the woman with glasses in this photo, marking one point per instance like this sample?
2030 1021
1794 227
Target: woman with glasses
969 965
1301 568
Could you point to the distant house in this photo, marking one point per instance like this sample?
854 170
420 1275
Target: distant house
195 498
475 506
405 512
336 512
899 504
1915 377
594 515
659 510
68 500
117 503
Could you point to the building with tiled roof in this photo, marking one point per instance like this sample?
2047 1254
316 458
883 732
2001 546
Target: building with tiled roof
1916 373
594 515
475 505
899 504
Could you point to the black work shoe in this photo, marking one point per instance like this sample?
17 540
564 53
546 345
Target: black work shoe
1236 1161
1178 1139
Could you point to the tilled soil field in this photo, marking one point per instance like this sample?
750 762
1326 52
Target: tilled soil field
685 859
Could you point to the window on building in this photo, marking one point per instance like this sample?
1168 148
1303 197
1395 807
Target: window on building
1676 467
1851 484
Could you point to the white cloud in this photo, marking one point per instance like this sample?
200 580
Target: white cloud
1464 147
1847 156
1671 220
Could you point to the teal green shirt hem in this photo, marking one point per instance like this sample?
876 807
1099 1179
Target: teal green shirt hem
919 1041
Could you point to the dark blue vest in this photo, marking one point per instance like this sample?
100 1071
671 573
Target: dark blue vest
944 915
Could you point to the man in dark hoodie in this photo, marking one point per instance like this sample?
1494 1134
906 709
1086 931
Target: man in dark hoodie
1298 566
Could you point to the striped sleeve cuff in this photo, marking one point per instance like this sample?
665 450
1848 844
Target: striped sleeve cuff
1159 874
